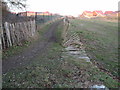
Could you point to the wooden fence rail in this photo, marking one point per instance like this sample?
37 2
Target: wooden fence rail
16 33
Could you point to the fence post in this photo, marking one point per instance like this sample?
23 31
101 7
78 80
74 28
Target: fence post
16 33
8 33
36 19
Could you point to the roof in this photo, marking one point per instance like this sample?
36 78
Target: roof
30 12
116 12
46 12
27 12
108 12
39 12
13 12
88 11
99 12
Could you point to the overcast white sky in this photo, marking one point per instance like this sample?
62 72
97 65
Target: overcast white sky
71 7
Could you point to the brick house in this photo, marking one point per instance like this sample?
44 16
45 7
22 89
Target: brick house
27 13
87 14
116 14
44 13
112 13
108 12
98 13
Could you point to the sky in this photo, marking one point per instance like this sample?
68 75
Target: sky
71 7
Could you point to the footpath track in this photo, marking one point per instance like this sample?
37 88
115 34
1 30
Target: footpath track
34 50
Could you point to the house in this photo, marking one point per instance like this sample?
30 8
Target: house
87 14
13 12
40 13
44 13
108 12
27 13
116 14
98 13
71 17
30 13
112 13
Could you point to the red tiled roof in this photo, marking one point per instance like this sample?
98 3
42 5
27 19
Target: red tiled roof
46 12
100 12
108 12
116 12
30 12
27 12
88 11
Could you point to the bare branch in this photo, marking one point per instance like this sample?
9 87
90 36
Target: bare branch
16 4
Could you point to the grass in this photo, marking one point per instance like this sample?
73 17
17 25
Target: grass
18 49
55 69
100 39
44 29
14 50
59 32
36 74
45 71
91 73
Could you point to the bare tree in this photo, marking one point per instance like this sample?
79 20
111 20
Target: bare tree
4 8
13 4
8 5
17 4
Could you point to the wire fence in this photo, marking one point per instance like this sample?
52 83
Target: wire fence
40 19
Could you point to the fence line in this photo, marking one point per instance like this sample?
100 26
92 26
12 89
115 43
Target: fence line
16 33
16 29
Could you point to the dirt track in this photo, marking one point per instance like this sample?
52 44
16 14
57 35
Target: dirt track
32 52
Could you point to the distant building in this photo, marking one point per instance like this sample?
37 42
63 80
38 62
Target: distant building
98 13
71 17
87 14
108 12
13 12
31 13
39 13
116 14
27 13
112 13
44 13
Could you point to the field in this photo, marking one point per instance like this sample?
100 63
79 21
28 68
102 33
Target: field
100 39
52 67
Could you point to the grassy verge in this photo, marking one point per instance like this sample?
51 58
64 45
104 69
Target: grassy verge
89 73
100 39
15 50
44 29
59 32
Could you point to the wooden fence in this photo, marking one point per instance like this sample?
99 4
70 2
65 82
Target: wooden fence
16 33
